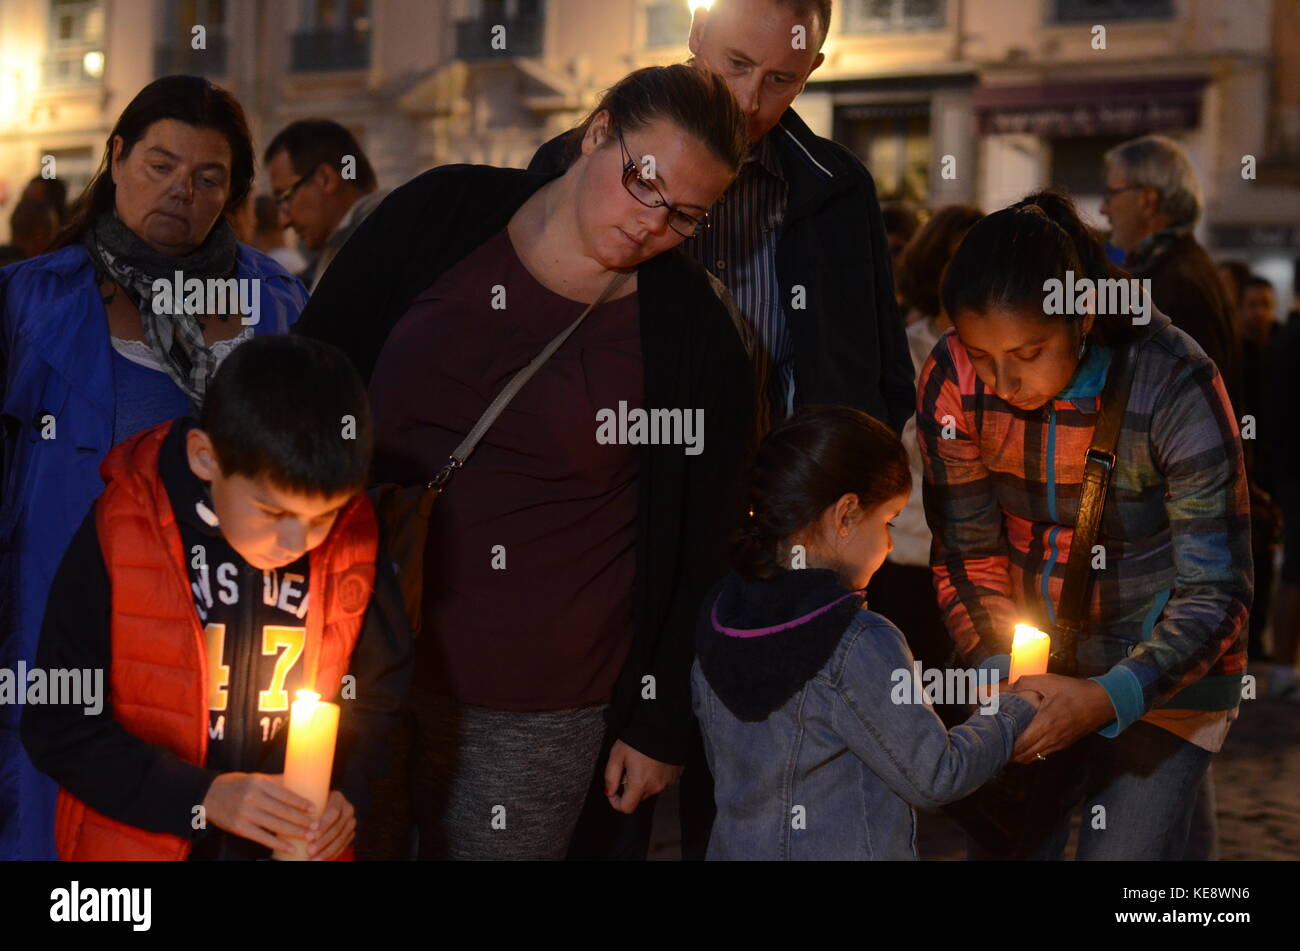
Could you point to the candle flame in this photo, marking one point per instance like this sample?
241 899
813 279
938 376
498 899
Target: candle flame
1026 633
310 695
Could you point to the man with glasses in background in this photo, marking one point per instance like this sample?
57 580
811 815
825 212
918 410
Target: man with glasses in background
1152 201
323 185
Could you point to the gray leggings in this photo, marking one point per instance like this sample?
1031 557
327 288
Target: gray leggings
494 784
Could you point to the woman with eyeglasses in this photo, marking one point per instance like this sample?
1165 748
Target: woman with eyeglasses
566 562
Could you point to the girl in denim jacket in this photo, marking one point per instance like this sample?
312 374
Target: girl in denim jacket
816 726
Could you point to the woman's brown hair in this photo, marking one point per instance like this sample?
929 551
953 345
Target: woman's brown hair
1006 259
920 268
189 99
695 100
802 467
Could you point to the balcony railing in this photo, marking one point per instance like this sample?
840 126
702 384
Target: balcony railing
893 16
667 23
330 51
522 37
65 68
179 57
1104 11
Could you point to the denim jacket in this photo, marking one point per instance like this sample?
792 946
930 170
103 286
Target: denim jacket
795 688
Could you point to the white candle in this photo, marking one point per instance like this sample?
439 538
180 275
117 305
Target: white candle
1029 651
309 757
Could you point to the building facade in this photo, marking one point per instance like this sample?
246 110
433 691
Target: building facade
944 100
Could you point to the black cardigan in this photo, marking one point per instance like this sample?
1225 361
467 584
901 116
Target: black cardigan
692 358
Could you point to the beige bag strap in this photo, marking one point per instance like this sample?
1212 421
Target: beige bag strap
495 408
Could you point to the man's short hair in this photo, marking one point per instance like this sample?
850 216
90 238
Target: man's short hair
314 142
1158 162
821 9
292 410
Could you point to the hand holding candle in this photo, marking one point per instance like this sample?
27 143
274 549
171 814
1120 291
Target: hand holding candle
257 807
1029 651
309 757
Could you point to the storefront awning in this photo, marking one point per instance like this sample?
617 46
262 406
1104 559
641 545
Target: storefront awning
1255 236
1066 110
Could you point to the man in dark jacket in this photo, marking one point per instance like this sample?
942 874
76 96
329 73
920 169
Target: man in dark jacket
1152 202
1257 324
798 239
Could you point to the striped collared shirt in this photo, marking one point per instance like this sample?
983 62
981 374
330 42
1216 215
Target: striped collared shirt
739 248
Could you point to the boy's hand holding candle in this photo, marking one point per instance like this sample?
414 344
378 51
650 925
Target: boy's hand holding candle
257 807
333 831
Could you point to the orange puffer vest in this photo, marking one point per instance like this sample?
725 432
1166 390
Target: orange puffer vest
158 673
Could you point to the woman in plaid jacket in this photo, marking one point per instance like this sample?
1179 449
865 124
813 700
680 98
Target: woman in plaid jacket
1007 405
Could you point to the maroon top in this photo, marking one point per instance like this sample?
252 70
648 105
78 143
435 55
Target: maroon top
550 629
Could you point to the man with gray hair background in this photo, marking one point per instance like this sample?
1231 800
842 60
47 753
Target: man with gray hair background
1153 201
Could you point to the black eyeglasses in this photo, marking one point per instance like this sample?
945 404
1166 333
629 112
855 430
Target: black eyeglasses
286 196
685 225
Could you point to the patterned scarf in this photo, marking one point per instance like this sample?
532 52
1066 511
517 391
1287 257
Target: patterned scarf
119 254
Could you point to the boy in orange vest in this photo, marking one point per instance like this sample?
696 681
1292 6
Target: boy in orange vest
230 562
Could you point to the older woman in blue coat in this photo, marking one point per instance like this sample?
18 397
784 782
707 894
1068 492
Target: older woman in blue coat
116 330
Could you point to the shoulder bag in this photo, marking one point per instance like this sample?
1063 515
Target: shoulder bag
404 510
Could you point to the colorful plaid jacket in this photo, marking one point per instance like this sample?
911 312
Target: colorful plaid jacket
1168 614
